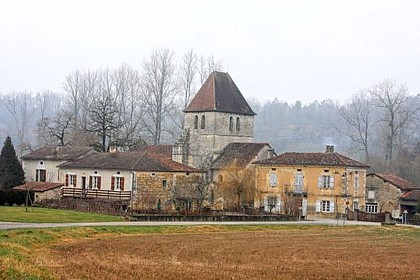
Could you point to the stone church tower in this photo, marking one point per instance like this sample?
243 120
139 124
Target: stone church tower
215 117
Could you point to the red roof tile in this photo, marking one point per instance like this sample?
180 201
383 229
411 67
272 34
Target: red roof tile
316 159
58 153
396 181
219 93
241 154
411 195
135 161
38 186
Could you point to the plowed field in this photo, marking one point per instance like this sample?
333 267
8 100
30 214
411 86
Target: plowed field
281 253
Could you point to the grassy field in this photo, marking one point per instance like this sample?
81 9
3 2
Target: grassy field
211 252
43 215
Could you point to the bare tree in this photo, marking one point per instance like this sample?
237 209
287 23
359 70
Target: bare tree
130 106
188 72
392 99
103 113
208 65
159 88
357 114
20 105
237 187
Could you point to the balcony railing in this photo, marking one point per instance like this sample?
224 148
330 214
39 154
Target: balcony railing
92 193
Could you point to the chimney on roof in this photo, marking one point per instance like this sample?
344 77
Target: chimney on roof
329 149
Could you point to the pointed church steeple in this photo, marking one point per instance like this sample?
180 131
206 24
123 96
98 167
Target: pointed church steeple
219 94
216 116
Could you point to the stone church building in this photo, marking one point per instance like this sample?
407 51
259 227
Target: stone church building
216 116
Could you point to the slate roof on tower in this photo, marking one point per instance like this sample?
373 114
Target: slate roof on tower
220 94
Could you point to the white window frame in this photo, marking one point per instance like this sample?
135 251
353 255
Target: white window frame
325 206
117 182
326 182
72 179
371 194
95 181
371 207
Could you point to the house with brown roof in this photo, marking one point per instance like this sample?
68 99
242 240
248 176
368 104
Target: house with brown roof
42 190
41 164
145 177
390 193
324 184
233 174
216 116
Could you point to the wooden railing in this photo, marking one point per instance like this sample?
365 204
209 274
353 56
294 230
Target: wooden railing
91 193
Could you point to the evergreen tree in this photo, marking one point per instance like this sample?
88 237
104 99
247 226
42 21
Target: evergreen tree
11 171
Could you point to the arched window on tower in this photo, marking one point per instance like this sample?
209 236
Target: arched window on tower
231 124
238 124
203 122
196 122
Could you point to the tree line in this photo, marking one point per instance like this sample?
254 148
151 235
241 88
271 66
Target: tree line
104 108
126 107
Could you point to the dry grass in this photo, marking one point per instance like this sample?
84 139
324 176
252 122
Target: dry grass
232 253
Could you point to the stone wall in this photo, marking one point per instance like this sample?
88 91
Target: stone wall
155 190
205 142
385 194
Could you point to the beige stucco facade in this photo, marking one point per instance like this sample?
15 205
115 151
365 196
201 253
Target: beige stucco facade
320 190
50 166
83 177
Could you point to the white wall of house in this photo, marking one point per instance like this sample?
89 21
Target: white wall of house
52 171
105 175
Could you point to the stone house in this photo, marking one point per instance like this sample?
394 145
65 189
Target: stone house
42 190
216 116
385 192
232 165
143 177
325 184
41 165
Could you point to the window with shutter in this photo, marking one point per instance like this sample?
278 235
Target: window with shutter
278 205
356 181
99 182
318 206
273 180
331 184
320 181
122 183
298 183
112 183
265 202
67 180
332 206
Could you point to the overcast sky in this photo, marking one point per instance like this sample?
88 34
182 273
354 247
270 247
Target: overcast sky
289 50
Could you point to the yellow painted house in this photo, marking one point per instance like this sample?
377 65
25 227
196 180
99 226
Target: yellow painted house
324 184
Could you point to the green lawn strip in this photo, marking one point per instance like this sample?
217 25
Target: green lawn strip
44 215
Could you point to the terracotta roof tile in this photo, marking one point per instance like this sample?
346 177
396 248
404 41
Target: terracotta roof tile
411 195
135 161
58 153
396 181
317 159
241 154
38 186
219 93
